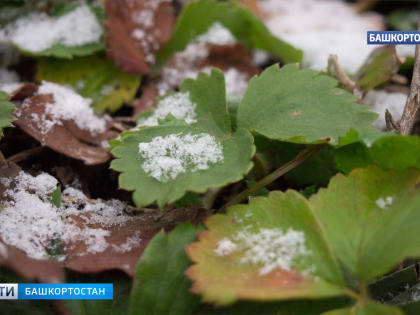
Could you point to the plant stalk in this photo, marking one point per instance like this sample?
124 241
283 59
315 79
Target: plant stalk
270 178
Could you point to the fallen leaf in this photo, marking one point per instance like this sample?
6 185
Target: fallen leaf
146 225
136 30
67 138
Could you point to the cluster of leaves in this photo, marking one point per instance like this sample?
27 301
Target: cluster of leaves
358 246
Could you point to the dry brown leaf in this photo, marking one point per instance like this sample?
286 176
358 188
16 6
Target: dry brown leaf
67 138
136 30
147 225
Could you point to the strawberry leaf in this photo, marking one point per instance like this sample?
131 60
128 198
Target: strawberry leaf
391 151
238 257
227 159
160 286
285 247
300 106
361 204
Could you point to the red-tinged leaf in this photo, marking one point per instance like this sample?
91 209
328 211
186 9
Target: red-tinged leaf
271 249
136 30
67 138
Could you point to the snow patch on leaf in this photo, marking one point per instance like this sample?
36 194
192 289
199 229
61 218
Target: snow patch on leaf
28 201
167 157
67 105
38 32
178 105
384 203
268 248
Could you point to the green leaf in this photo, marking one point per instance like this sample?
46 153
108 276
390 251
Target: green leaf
160 286
404 20
6 112
208 93
369 308
198 16
95 77
380 66
390 151
300 106
61 51
245 272
56 197
237 152
360 205
119 305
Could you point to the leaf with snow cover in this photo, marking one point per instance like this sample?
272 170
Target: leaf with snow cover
381 65
94 77
160 286
6 112
162 163
397 152
300 106
63 120
198 16
272 249
284 247
136 30
71 30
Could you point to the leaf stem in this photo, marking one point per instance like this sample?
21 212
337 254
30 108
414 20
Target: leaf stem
270 178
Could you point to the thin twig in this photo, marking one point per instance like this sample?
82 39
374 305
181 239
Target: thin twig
3 160
270 178
25 154
412 107
390 122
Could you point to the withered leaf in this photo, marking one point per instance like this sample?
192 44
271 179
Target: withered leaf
147 225
67 139
136 30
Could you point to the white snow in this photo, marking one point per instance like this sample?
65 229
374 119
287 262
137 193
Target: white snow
146 34
382 100
31 223
3 251
384 203
186 64
268 249
67 105
38 31
225 247
164 158
324 27
178 105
